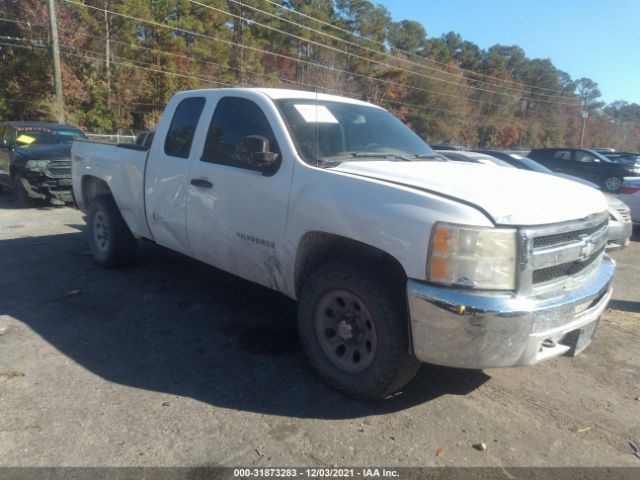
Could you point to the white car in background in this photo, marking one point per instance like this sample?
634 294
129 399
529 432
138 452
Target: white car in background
630 195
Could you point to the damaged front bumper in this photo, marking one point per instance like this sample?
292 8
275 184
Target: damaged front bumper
458 328
40 186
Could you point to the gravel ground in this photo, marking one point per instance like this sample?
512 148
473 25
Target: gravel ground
171 362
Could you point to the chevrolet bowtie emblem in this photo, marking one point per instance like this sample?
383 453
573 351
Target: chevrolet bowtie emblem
587 249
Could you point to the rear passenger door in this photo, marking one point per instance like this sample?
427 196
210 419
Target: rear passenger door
559 160
237 212
168 171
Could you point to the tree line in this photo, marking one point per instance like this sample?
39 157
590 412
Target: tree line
122 61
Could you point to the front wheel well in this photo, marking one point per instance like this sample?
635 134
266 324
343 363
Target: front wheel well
317 248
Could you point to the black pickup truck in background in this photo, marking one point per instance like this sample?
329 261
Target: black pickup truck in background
583 163
35 161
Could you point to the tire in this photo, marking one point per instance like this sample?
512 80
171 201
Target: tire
612 184
110 239
21 197
382 366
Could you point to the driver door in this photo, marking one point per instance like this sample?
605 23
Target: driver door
236 212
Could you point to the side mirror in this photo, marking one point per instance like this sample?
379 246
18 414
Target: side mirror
254 150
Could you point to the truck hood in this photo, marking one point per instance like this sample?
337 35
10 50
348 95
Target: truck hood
46 151
510 196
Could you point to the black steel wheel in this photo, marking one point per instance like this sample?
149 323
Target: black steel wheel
353 327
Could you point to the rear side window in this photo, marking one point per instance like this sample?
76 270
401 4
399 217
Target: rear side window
183 127
234 119
562 155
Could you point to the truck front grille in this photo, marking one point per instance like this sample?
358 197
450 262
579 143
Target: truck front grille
564 269
546 241
59 169
552 254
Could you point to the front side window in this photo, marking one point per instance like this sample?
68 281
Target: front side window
326 131
183 127
584 157
234 119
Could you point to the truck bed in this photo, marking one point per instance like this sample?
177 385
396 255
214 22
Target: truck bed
122 168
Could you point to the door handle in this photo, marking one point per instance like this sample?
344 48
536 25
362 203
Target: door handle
199 182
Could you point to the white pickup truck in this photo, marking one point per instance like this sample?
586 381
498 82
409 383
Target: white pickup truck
394 255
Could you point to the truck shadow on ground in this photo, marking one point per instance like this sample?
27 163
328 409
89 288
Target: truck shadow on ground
174 325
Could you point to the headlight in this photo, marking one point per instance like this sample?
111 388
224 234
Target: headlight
473 257
37 165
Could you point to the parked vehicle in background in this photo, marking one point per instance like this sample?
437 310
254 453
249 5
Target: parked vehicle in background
630 195
583 163
620 227
446 146
35 161
394 255
145 138
472 157
604 150
629 159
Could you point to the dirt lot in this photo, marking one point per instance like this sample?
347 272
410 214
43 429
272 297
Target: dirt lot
171 362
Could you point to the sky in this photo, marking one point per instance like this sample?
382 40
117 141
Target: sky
597 39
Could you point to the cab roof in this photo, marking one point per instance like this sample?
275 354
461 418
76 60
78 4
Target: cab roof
282 93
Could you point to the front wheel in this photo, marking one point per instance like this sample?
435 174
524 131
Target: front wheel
354 330
21 197
613 184
110 239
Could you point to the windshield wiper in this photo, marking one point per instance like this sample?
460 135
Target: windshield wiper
337 159
380 155
430 156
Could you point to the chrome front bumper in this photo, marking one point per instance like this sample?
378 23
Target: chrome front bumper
458 328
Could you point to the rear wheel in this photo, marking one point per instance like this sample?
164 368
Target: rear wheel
613 184
354 330
110 239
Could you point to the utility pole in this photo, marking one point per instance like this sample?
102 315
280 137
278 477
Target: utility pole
584 114
55 52
107 50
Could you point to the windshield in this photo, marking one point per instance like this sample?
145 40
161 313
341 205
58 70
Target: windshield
527 164
327 131
26 136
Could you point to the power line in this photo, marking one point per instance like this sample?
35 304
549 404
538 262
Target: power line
384 46
279 55
258 73
519 88
369 60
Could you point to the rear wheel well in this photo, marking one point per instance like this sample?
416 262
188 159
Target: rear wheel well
317 248
93 187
